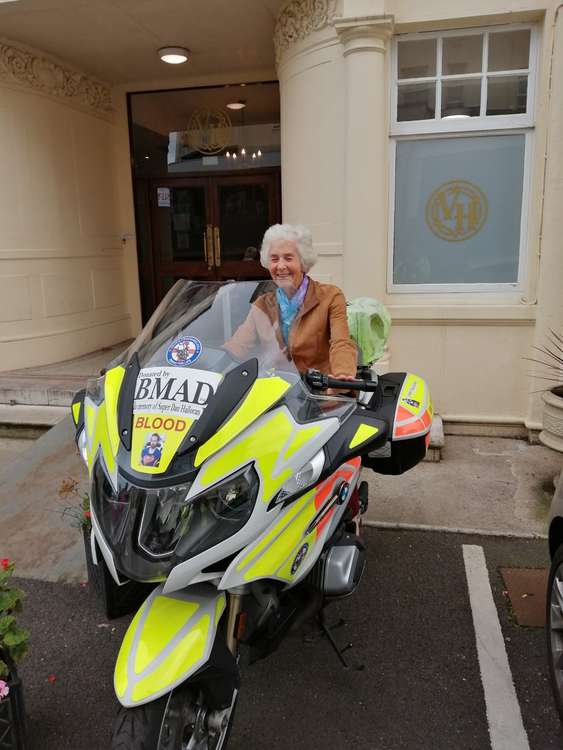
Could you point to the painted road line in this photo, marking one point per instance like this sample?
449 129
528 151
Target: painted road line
506 728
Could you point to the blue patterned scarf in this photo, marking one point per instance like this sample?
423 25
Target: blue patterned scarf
289 306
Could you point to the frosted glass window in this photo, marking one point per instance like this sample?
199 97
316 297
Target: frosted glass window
458 206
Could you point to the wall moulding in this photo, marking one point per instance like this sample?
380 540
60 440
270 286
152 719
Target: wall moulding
57 253
299 18
26 68
505 316
365 33
43 334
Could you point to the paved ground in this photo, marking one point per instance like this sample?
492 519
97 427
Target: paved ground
411 626
11 450
487 484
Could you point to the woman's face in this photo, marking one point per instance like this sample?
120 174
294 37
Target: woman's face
284 265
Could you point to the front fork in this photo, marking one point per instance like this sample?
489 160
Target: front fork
234 609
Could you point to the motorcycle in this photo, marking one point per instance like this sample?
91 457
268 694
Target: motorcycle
230 490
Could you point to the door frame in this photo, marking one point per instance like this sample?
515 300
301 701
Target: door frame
209 180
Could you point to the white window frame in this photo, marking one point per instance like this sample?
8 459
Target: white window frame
475 126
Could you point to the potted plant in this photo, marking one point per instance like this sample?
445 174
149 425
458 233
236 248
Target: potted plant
552 363
13 645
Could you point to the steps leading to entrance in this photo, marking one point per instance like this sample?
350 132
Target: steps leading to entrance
26 421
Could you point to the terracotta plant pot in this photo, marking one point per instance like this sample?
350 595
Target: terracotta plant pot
12 714
552 433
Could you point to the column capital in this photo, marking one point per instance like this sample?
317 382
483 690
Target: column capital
364 33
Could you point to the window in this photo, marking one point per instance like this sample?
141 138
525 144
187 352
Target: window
461 127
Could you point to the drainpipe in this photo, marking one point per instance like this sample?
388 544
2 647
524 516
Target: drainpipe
534 298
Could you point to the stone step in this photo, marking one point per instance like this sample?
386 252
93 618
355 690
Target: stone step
25 421
39 391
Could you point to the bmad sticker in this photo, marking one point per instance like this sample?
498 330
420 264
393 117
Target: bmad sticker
184 351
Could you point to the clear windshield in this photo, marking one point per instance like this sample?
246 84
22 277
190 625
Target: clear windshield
213 326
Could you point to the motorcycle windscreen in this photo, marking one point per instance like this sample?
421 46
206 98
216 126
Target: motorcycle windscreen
211 360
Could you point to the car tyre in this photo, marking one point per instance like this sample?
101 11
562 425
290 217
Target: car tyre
554 628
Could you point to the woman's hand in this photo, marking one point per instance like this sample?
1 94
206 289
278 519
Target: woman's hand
338 391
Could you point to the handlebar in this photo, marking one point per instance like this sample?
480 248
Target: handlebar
320 381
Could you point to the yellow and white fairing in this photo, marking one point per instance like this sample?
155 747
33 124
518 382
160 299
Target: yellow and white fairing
169 639
280 447
292 543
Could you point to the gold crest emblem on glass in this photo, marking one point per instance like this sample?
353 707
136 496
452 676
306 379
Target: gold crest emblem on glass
456 211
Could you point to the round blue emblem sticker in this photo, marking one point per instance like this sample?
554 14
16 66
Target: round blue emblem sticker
184 351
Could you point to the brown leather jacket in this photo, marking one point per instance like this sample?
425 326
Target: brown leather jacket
318 338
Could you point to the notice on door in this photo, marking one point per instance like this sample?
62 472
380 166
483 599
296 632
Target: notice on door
163 197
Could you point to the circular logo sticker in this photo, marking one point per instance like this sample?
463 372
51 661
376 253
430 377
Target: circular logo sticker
184 351
456 211
299 557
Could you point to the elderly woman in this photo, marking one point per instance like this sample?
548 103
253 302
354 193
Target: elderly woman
307 318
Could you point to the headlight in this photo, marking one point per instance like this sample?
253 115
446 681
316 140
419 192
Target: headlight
151 530
217 514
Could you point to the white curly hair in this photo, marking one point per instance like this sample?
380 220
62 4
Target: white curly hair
292 233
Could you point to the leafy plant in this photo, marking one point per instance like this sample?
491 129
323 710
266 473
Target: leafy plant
551 361
79 513
13 639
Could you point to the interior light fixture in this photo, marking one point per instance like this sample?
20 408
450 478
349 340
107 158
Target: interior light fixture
173 55
236 105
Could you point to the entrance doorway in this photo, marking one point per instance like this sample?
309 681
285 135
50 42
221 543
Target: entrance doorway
206 167
211 227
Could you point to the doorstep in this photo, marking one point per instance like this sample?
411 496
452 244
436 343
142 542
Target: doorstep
52 386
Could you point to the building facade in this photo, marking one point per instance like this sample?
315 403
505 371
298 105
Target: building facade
422 143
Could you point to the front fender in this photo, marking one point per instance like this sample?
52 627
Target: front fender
169 639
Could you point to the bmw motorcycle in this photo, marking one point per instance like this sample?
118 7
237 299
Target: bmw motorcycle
230 492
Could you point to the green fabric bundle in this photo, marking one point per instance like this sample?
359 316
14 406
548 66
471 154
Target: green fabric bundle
369 322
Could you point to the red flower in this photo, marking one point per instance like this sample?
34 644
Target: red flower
51 678
5 563
87 514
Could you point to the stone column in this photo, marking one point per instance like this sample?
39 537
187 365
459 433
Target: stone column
365 42
550 277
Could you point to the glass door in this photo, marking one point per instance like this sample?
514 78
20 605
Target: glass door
182 229
211 228
245 206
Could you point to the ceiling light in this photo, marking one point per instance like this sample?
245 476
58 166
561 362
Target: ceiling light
236 105
173 55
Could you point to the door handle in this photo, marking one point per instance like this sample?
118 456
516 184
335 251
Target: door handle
217 244
208 246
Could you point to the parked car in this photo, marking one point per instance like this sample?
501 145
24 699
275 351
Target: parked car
554 608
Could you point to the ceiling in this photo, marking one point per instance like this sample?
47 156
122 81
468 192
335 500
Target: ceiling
117 40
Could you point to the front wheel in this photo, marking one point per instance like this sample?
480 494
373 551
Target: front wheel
178 721
554 628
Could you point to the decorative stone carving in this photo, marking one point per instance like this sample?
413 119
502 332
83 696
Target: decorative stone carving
34 70
299 18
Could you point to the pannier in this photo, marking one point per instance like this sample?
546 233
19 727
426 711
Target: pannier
403 401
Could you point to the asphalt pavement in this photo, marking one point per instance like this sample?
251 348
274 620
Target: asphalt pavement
412 630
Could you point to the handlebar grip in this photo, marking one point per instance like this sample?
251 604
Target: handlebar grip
352 385
320 381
